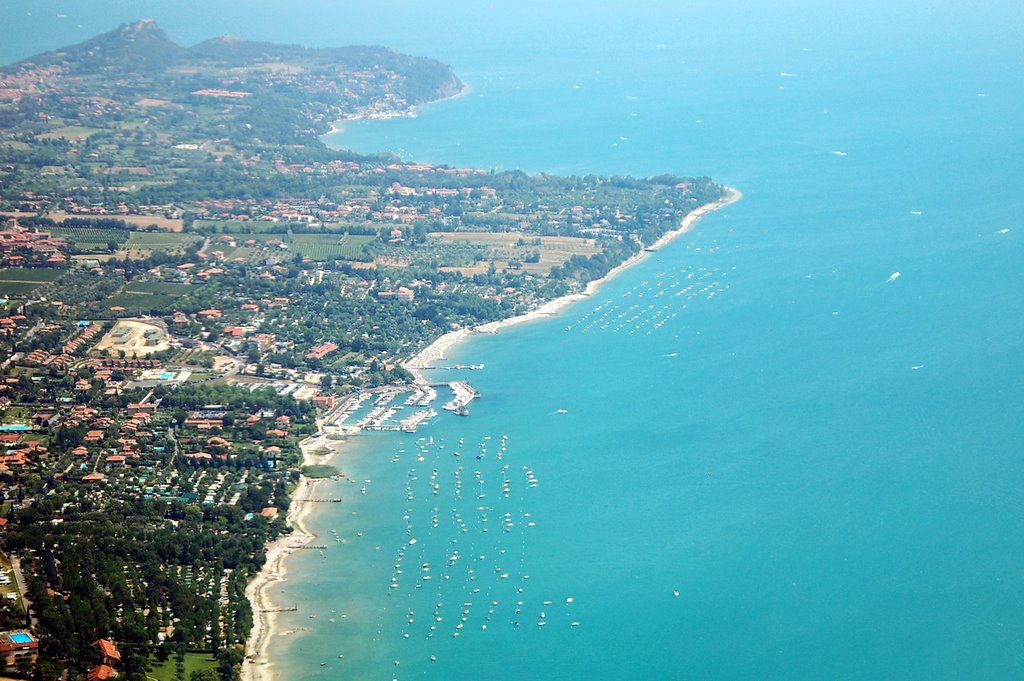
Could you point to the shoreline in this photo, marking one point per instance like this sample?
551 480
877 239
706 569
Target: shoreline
437 349
256 664
338 125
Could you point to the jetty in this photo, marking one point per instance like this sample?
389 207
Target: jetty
294 608
410 424
464 394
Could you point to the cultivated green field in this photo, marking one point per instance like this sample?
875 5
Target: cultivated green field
69 132
18 288
92 240
21 282
240 227
158 287
133 244
140 303
160 241
30 275
317 246
243 252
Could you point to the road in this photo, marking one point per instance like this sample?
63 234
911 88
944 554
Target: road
22 586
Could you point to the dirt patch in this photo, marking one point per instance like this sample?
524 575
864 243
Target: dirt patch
135 339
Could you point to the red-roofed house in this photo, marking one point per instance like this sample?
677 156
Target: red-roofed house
109 652
101 673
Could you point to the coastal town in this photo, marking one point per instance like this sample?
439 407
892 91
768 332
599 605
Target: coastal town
200 301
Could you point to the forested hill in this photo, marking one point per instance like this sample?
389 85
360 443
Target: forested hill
136 72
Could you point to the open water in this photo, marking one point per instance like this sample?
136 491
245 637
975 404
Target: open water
759 454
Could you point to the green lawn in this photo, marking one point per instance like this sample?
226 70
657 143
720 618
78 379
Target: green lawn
193 662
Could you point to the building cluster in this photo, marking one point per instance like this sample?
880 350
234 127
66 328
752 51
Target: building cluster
25 247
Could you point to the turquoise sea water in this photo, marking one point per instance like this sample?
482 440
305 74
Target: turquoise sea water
824 464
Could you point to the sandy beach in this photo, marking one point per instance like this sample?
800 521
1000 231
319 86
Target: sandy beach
436 350
257 665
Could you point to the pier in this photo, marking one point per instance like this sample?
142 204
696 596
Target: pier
294 608
464 394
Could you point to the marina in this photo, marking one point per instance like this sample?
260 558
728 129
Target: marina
393 408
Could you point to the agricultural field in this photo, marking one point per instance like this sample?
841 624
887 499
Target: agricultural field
147 296
231 252
501 248
97 241
135 303
22 282
329 246
318 246
33 275
158 287
140 221
237 226
143 244
18 288
69 132
90 239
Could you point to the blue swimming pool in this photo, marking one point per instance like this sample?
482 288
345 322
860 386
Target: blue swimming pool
21 637
8 427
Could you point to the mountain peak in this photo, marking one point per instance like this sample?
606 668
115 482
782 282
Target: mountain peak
137 46
143 29
141 26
